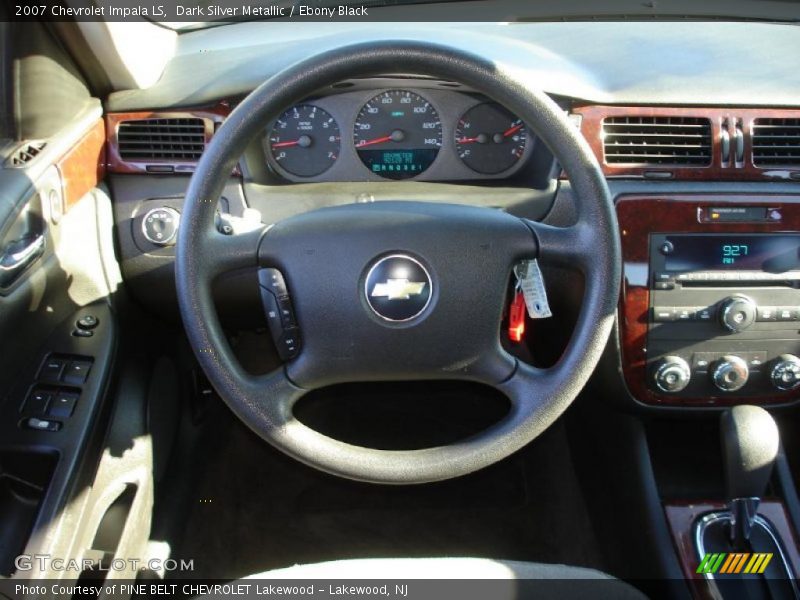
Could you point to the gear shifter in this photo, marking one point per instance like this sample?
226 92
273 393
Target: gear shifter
750 443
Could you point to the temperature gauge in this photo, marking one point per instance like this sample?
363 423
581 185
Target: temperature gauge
490 139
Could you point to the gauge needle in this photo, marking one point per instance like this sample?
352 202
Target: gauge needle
512 130
303 141
396 136
380 140
481 138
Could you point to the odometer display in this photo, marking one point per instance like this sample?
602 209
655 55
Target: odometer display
397 134
305 141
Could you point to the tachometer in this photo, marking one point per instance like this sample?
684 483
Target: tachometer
397 134
490 139
305 140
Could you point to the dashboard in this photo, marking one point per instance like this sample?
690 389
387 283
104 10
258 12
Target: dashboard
678 163
397 133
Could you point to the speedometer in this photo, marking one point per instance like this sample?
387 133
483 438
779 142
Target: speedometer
397 134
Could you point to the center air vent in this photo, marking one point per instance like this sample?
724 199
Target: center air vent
161 139
776 142
669 141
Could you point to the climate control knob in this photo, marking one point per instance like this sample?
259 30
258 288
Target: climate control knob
737 313
672 374
785 374
730 373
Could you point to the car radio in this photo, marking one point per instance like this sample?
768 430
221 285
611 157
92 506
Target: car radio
724 315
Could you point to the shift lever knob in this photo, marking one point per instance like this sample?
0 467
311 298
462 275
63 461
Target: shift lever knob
750 443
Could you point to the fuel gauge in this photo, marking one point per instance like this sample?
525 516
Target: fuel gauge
490 139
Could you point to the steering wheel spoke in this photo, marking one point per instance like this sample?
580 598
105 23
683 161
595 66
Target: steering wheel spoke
567 246
225 253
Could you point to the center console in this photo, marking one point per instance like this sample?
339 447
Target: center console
710 310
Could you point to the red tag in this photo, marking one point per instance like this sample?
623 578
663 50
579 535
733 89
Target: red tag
516 318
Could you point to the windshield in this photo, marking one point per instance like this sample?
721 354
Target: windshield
196 14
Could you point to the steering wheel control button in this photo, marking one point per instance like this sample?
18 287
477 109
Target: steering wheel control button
785 374
730 374
279 312
737 313
160 225
87 322
672 374
398 288
84 333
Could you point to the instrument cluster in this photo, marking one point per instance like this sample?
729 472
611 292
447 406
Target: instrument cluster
397 134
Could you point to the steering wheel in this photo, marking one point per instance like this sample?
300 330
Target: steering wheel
333 257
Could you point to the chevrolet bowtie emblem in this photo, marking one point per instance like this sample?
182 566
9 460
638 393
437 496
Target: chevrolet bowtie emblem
397 289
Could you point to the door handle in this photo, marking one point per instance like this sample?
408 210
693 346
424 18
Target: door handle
18 256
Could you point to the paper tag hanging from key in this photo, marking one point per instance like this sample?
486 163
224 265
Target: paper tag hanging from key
531 282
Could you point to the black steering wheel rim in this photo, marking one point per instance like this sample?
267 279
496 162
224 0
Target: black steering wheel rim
537 397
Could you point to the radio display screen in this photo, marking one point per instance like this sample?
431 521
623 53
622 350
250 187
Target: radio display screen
772 253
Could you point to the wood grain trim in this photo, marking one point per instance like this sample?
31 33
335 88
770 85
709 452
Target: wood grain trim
592 127
212 116
83 167
639 217
681 518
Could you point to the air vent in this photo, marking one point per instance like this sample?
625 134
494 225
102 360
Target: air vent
669 141
776 142
25 154
161 139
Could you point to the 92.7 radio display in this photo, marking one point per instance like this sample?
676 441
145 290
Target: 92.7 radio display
772 253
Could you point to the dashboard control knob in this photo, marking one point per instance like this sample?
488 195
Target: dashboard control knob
785 374
160 225
730 373
672 374
737 313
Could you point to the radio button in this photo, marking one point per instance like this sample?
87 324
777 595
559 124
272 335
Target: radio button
786 313
702 360
663 276
663 314
767 313
684 314
663 285
756 359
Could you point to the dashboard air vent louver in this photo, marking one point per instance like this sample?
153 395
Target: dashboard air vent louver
161 139
776 142
25 154
668 141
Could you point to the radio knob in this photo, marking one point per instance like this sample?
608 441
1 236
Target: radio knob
785 375
730 374
672 374
737 313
